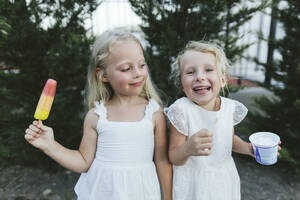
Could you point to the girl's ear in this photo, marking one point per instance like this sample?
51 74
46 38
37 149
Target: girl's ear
100 74
104 77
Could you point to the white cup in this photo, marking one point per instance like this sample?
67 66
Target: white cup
265 147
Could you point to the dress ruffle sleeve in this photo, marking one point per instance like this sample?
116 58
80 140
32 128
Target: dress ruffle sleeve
240 112
152 107
177 118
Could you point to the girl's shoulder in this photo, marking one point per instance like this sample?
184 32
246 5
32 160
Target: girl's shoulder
153 106
181 102
181 107
177 114
178 108
227 100
239 110
91 118
234 103
99 108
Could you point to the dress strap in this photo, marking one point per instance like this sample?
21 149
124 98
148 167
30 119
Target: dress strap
100 110
151 108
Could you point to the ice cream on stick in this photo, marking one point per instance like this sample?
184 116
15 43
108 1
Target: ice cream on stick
44 106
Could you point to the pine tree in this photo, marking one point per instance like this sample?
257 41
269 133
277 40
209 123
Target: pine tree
169 25
4 27
30 53
283 113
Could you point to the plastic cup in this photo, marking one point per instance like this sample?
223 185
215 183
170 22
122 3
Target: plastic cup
265 147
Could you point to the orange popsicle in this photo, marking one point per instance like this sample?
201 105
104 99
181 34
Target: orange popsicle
44 106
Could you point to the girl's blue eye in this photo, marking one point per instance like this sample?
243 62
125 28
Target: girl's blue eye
190 72
143 65
125 70
209 70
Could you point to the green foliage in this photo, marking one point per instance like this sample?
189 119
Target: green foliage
282 115
4 27
169 25
234 88
29 55
286 156
66 196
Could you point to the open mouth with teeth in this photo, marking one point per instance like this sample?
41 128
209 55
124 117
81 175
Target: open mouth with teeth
202 90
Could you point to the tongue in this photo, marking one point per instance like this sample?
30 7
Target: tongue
202 91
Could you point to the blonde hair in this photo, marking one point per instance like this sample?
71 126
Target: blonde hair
97 90
222 62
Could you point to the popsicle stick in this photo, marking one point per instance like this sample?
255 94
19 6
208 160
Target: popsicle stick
40 123
212 129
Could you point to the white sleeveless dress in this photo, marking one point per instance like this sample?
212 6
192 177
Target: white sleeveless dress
123 167
212 177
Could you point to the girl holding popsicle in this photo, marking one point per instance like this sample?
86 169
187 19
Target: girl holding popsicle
201 134
123 152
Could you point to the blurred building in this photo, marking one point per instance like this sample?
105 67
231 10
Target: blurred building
260 24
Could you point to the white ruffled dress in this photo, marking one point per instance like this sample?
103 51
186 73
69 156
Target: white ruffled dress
123 167
212 177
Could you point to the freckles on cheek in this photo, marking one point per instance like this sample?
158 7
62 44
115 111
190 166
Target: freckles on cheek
184 82
121 79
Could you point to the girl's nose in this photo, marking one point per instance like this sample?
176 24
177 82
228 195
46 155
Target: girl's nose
200 76
136 71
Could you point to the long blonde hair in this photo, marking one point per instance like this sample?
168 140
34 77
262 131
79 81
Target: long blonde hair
222 63
97 90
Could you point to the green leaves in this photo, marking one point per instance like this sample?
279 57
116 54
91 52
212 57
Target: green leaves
30 53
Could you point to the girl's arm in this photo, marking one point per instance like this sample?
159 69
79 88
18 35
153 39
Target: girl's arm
76 160
181 148
178 154
240 146
164 167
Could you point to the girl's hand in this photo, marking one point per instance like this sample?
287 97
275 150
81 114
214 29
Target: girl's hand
200 144
39 135
279 148
251 152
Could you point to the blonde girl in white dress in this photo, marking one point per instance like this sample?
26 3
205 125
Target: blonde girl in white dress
202 134
123 151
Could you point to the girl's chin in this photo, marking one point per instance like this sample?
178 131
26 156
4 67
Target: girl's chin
201 99
200 102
